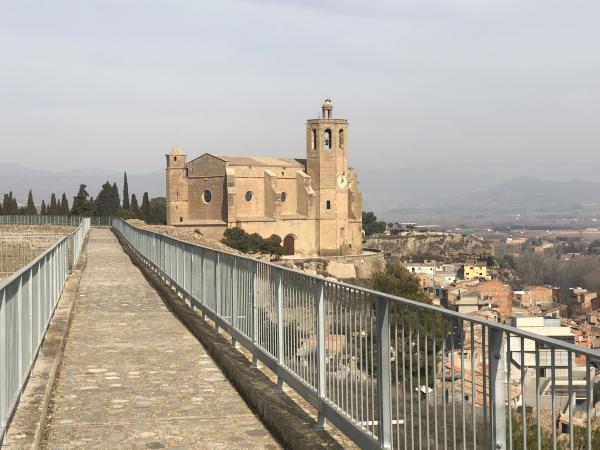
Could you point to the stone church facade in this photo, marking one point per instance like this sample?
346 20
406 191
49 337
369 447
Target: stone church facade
313 204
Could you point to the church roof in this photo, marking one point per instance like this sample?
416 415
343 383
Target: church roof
176 151
262 161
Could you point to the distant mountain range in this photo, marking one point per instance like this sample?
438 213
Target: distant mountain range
19 179
432 192
436 194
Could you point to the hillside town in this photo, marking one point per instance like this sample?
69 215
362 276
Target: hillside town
492 285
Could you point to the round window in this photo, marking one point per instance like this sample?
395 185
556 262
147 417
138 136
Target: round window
207 196
248 196
283 197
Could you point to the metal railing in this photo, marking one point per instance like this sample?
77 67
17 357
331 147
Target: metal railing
28 299
387 371
72 221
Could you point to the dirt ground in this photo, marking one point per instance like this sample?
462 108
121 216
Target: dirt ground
184 234
19 244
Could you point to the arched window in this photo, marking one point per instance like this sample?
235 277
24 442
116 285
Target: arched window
206 196
327 139
314 139
283 197
341 138
248 196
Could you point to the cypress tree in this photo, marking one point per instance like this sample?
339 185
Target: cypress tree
43 211
31 211
145 210
125 192
116 199
64 205
53 207
92 206
1 209
135 209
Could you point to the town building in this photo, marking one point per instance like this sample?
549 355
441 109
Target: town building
475 271
313 204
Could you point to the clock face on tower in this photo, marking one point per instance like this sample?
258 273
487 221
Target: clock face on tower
342 179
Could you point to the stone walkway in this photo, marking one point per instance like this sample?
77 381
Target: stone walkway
134 377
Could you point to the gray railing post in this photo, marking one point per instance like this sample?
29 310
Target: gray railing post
234 298
254 310
4 393
280 328
383 373
218 288
497 387
321 351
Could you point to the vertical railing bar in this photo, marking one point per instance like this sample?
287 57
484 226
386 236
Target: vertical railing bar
453 383
383 372
571 402
426 354
509 386
435 373
589 401
553 376
485 430
523 410
418 325
537 395
444 394
410 384
462 384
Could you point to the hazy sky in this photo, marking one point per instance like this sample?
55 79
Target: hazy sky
115 83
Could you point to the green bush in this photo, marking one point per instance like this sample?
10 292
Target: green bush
252 243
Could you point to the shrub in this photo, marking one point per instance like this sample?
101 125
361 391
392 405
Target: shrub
252 243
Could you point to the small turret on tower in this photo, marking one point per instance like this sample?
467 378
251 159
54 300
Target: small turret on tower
327 109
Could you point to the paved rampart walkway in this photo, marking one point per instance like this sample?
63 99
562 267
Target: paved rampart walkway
134 377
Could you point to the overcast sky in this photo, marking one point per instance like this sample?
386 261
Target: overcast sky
115 83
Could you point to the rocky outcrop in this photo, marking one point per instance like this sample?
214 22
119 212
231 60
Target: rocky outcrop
442 247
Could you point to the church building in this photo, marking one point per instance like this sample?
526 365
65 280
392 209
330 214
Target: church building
313 204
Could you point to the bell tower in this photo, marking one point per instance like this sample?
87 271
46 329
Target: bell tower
177 187
327 165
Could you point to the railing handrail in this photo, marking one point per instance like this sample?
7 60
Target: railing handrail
430 308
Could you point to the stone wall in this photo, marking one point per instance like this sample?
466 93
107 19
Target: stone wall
20 244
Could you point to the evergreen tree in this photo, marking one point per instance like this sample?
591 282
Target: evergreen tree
135 209
9 204
158 211
145 210
43 211
5 204
81 205
116 199
31 211
103 205
125 192
1 209
53 207
92 206
64 205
